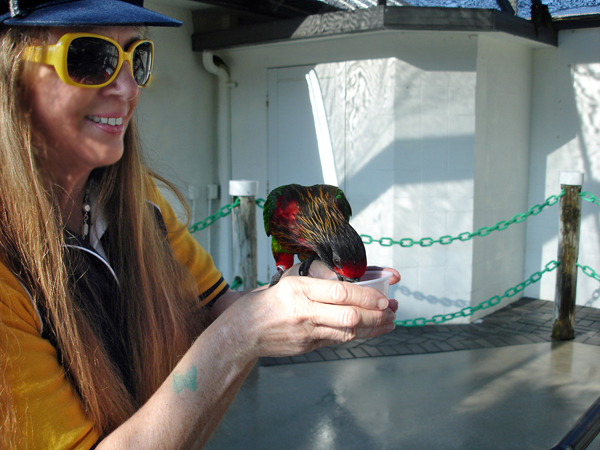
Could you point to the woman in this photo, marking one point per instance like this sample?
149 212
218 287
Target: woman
116 330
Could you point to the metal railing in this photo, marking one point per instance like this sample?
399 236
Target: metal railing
583 432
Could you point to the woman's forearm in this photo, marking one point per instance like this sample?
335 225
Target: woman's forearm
298 315
225 301
188 406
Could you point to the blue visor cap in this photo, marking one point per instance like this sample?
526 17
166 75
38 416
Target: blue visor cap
81 13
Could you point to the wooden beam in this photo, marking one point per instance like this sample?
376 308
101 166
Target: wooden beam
277 9
563 327
508 6
373 19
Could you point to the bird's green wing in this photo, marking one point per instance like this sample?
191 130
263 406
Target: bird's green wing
269 208
343 203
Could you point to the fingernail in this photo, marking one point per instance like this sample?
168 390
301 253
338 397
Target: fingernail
390 326
383 303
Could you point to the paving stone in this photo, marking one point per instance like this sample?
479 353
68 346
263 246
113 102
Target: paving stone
314 356
375 341
416 349
431 347
402 349
497 341
444 346
523 339
389 350
595 340
359 353
538 339
371 351
343 353
474 344
457 345
328 354
440 336
299 359
525 321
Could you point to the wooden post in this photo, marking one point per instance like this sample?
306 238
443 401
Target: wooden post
244 232
568 250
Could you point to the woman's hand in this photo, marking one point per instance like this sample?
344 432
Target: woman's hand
395 275
301 314
319 270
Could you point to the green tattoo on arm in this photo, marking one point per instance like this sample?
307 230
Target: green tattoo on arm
181 382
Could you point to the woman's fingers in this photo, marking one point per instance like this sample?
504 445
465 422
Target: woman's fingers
336 292
343 317
395 274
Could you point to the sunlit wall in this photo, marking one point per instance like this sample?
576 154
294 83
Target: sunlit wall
430 137
565 137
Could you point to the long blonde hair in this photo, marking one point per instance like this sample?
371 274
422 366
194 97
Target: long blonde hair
153 296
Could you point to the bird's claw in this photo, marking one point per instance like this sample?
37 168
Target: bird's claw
305 265
275 279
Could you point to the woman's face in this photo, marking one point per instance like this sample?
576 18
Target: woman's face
83 128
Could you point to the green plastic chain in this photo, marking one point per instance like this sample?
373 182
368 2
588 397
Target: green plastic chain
407 242
466 236
589 272
590 198
223 212
470 310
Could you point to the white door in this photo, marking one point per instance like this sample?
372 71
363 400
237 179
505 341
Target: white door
300 142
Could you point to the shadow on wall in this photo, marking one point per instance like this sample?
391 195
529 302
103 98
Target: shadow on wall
565 137
444 301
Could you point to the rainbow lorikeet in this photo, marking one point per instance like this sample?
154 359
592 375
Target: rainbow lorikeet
312 222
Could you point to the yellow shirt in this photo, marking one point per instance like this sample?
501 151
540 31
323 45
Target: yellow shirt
47 406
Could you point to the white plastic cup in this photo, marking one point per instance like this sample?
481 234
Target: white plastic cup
378 279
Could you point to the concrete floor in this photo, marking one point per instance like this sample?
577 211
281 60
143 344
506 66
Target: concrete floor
518 397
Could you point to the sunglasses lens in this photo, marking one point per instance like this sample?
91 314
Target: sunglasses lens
142 63
91 61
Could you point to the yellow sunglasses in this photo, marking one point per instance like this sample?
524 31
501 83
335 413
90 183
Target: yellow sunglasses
93 61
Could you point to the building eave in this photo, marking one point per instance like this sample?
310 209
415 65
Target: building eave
380 18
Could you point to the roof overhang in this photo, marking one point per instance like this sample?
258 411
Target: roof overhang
379 18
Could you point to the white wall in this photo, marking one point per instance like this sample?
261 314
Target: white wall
504 78
565 137
551 93
430 160
433 174
177 111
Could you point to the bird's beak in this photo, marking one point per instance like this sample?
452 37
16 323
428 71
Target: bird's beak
350 280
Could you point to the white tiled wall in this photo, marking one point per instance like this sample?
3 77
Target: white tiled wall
447 153
434 148
566 134
501 164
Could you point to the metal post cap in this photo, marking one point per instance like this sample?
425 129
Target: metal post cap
243 188
571 178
